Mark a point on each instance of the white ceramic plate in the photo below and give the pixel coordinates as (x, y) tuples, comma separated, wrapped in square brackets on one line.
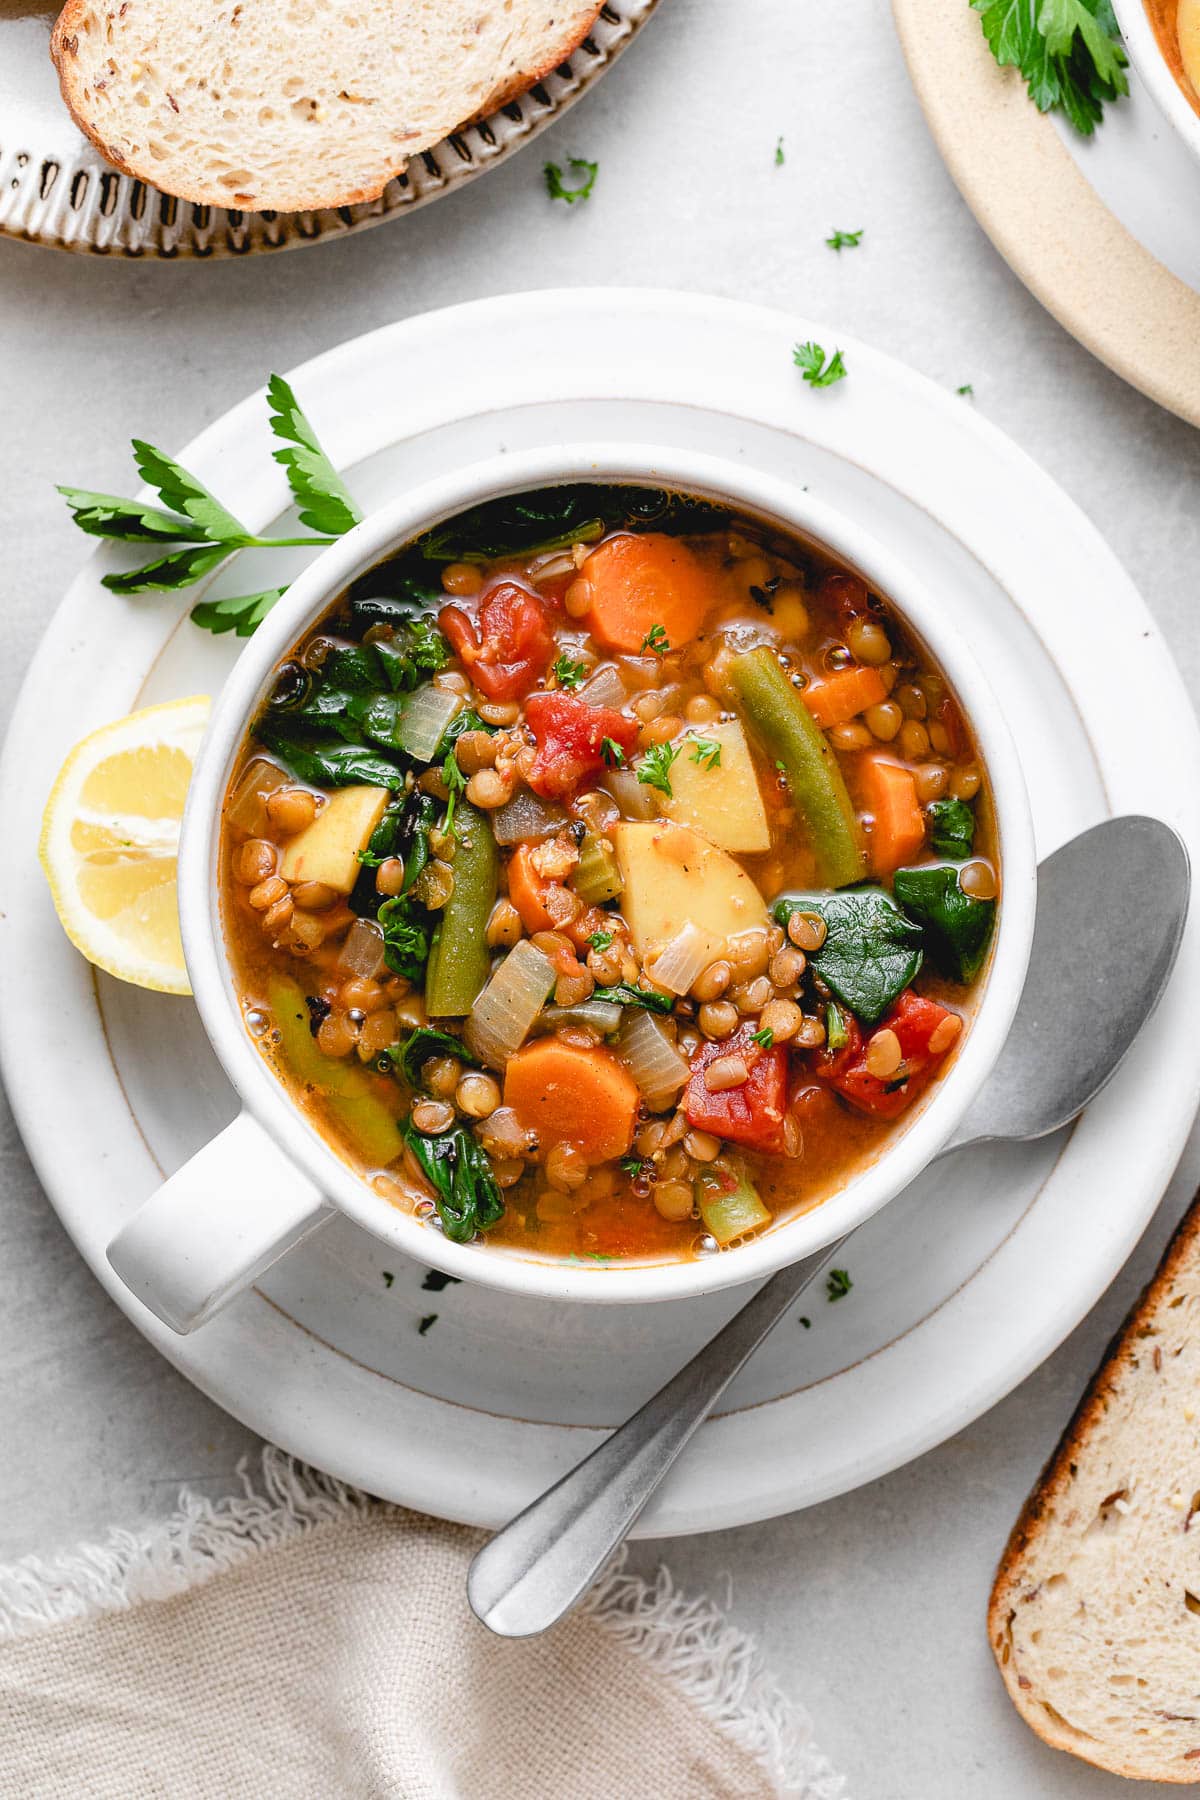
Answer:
[(56, 188), (963, 1284)]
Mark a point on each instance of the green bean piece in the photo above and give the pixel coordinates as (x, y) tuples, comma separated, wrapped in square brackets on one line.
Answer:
[(346, 1087), (458, 961), (795, 742)]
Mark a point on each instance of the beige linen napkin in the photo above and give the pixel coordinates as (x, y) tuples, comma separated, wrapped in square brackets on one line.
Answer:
[(301, 1639)]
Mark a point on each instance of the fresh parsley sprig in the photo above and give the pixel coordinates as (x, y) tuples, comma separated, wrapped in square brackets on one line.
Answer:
[(196, 532), (1068, 51), (556, 186), (654, 770), (818, 370), (707, 752)]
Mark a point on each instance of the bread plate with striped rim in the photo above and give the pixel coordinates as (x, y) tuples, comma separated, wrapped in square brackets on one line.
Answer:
[(56, 188)]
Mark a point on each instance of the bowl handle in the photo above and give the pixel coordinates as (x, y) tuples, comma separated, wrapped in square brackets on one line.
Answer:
[(215, 1226)]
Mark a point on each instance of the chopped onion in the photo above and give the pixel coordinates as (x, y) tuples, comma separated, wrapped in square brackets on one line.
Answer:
[(245, 808), (634, 798), (549, 568), (603, 1016), (651, 1058), (526, 819), (682, 958), (422, 725), (362, 952), (503, 1014), (604, 689)]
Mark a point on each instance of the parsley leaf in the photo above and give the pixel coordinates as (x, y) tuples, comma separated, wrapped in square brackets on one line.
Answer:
[(633, 1166), (966, 390), (437, 1279), (764, 1038), (656, 640), (182, 493), (1068, 51), (568, 674), (845, 240), (707, 753), (601, 940), (180, 569), (323, 497), (107, 515), (242, 614), (654, 770), (556, 186), (426, 1322), (780, 159), (612, 753), (818, 371), (838, 1284)]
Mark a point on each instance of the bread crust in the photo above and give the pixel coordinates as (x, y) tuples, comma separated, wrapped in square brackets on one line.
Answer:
[(1051, 1487), (63, 41)]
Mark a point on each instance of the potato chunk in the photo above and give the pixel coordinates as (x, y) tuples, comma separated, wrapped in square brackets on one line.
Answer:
[(671, 875), (327, 850), (719, 795)]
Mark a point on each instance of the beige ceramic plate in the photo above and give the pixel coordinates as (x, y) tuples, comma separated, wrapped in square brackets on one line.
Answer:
[(1044, 216), (56, 188)]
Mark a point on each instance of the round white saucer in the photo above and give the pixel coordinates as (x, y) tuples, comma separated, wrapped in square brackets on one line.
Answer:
[(964, 1283)]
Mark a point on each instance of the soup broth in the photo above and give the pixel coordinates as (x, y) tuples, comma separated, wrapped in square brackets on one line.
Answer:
[(607, 875)]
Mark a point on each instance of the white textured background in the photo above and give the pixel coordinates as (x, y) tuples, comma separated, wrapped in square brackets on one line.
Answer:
[(871, 1607)]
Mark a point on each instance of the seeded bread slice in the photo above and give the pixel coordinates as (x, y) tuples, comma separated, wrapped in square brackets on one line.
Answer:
[(292, 105), (1095, 1612)]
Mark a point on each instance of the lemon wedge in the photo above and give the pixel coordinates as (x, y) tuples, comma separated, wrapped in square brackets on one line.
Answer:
[(110, 838)]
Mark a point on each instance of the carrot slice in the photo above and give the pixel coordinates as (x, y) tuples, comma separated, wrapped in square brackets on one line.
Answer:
[(527, 891), (567, 1095), (643, 581), (841, 697), (889, 794)]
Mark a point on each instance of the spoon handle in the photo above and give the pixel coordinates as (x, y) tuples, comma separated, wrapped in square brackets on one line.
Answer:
[(536, 1568)]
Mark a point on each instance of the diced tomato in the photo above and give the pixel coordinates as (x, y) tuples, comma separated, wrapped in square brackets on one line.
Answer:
[(751, 1114), (570, 737), (848, 593), (914, 1022), (510, 647)]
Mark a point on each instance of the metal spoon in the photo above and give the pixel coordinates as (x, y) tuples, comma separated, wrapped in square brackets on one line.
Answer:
[(1110, 915)]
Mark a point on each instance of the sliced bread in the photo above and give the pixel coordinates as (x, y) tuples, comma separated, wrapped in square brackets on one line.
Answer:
[(1095, 1613), (290, 105)]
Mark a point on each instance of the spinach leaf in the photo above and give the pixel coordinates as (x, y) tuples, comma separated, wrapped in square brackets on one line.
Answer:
[(952, 829), (546, 519), (412, 596), (328, 765), (871, 951), (462, 722), (625, 995), (457, 1168), (958, 928), (426, 1041), (355, 668)]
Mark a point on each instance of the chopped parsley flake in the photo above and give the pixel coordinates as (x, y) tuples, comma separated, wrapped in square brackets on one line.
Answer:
[(656, 640), (426, 1322), (818, 370), (568, 674), (557, 188), (435, 1280), (764, 1038), (838, 1284), (966, 389), (780, 159), (845, 240), (707, 753), (388, 1277), (654, 770), (612, 753), (600, 940)]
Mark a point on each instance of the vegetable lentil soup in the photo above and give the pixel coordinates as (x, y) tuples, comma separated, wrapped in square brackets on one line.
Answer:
[(1176, 26), (608, 874)]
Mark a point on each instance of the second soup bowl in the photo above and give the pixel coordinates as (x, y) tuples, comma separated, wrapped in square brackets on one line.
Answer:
[(272, 1177)]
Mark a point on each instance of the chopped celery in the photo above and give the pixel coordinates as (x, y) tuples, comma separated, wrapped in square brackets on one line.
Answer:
[(346, 1087), (796, 742), (597, 877), (459, 959), (729, 1203)]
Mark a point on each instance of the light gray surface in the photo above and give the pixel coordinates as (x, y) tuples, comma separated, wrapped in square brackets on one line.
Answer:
[(871, 1607)]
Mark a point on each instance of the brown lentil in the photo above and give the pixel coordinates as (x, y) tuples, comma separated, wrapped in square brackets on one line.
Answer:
[(883, 1054), (786, 967), (566, 1168), (711, 982), (869, 641), (499, 712), (432, 1117), (978, 880), (361, 994), (807, 931), (717, 1019), (488, 789), (725, 1072), (336, 1035), (673, 1199), (782, 1018), (462, 579), (389, 876), (267, 893), (578, 598), (913, 740), (883, 721), (290, 809), (943, 1035), (255, 861), (965, 783), (478, 1094), (314, 896), (504, 927)]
